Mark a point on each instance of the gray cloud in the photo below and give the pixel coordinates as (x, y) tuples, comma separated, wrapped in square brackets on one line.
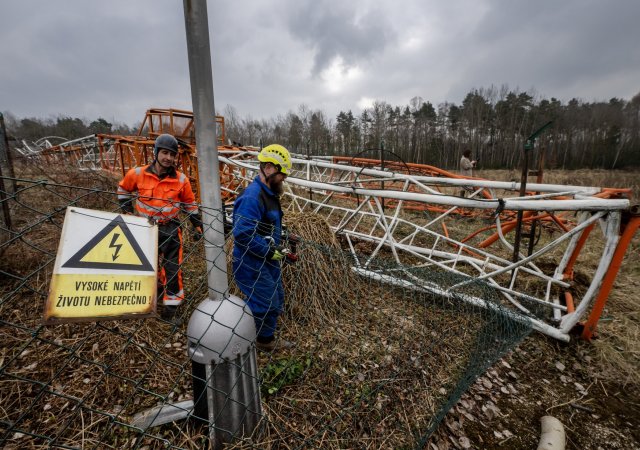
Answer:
[(116, 59), (338, 29), (557, 47)]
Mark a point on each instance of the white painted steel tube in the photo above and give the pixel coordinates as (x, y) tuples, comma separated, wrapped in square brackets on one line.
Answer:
[(541, 251), (583, 202), (441, 254), (612, 235), (512, 204), (506, 185), (591, 204), (571, 247)]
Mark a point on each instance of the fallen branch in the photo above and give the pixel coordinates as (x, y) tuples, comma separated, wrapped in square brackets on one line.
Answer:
[(583, 408)]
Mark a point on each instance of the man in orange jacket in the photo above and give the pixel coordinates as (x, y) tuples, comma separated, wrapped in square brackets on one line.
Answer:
[(159, 192)]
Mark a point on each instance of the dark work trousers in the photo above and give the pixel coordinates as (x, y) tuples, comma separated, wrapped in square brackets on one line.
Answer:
[(170, 254)]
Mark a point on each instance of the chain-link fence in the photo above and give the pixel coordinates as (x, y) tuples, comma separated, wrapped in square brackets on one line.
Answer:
[(378, 358)]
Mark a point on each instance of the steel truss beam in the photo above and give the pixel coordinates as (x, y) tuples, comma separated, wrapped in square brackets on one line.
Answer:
[(360, 214)]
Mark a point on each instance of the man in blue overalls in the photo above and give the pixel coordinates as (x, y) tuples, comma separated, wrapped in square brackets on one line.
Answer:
[(257, 255)]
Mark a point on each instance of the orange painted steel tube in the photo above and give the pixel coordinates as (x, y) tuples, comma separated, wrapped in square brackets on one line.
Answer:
[(568, 270), (614, 192), (477, 232), (444, 229), (568, 300), (559, 222), (506, 228), (607, 283)]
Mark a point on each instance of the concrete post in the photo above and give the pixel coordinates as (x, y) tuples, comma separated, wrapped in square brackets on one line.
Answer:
[(221, 330), (196, 24)]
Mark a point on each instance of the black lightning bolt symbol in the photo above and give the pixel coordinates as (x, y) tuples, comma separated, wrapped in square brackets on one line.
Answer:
[(114, 245)]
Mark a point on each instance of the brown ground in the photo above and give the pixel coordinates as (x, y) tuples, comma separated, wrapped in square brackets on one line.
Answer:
[(542, 377), (593, 388)]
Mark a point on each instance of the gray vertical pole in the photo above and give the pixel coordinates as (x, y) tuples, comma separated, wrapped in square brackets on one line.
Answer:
[(221, 321), (523, 191), (221, 329), (382, 168), (309, 168), (528, 146), (5, 154), (197, 27)]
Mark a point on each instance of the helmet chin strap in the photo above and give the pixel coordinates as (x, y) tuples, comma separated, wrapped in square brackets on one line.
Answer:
[(267, 178), (155, 157), (156, 152)]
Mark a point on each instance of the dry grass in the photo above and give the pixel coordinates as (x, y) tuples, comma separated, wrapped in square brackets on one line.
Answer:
[(619, 179), (618, 342), (378, 363)]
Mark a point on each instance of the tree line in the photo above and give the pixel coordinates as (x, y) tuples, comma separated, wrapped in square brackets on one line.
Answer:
[(493, 123), (31, 129)]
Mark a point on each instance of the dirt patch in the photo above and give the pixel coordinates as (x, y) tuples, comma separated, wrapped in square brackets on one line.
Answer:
[(543, 377), (593, 388)]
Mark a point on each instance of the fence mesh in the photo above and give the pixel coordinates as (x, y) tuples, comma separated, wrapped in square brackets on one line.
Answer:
[(379, 359)]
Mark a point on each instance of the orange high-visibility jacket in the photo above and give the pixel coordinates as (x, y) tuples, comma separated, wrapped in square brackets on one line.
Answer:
[(160, 199)]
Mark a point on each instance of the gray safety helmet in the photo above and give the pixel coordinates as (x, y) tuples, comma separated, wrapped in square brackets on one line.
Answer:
[(167, 142)]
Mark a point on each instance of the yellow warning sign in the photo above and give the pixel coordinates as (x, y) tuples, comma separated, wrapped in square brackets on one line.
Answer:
[(105, 268), (114, 247), (100, 296)]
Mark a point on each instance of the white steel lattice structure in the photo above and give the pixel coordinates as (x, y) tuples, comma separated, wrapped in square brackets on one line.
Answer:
[(373, 221)]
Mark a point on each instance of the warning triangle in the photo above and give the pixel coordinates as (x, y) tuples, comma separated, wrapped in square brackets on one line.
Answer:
[(114, 247)]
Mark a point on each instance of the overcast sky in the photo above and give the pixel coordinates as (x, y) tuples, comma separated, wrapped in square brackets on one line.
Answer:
[(117, 58)]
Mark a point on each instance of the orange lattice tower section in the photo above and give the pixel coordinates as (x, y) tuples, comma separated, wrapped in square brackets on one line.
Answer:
[(120, 153)]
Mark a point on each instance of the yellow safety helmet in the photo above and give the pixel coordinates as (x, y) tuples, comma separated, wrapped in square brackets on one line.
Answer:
[(278, 155)]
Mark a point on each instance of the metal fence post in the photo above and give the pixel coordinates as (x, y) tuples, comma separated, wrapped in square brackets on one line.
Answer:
[(528, 146), (221, 330), (6, 170)]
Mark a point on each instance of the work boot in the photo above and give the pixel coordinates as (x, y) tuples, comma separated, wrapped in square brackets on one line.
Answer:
[(275, 345), (170, 314)]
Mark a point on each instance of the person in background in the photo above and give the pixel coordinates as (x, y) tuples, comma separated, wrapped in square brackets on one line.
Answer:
[(466, 167), (466, 164), (258, 245), (159, 192)]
